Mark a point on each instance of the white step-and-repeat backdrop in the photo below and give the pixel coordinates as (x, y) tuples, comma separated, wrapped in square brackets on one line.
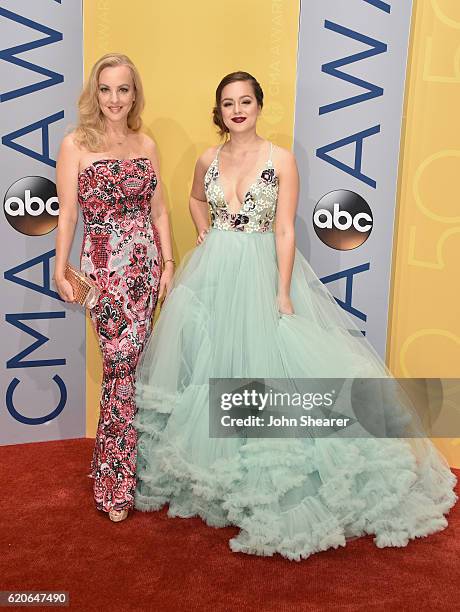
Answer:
[(42, 341), (351, 77)]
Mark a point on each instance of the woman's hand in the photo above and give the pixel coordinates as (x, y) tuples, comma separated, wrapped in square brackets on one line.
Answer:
[(64, 288), (285, 305), (166, 282), (202, 236)]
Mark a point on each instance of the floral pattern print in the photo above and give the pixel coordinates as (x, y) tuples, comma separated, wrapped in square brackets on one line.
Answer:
[(257, 213), (121, 252)]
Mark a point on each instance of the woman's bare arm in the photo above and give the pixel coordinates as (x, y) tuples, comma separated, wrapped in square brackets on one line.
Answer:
[(198, 204), (284, 226), (160, 218), (67, 187)]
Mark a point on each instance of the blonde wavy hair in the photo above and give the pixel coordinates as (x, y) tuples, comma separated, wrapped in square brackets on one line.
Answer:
[(89, 132)]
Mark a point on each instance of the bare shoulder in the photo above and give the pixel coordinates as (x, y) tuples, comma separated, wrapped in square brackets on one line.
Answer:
[(70, 152), (206, 158), (69, 144), (148, 144), (285, 163), (283, 156)]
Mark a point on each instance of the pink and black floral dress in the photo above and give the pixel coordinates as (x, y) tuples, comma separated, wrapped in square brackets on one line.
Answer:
[(121, 252)]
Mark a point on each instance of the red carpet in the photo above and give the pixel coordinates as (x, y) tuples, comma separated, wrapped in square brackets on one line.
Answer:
[(54, 539)]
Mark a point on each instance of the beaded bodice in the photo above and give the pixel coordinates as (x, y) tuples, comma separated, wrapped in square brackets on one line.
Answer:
[(115, 191), (257, 212)]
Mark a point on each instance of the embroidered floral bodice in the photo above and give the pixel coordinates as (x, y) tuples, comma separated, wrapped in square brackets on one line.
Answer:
[(257, 212)]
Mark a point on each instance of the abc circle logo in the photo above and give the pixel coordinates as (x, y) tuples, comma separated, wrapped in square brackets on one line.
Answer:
[(343, 220), (31, 206)]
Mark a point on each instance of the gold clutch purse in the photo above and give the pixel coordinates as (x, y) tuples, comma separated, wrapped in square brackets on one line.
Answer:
[(85, 291)]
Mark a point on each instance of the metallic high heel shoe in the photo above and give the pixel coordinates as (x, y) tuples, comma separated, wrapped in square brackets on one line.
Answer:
[(118, 515)]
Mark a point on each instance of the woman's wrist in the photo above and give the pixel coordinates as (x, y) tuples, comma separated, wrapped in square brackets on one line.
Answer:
[(170, 262), (284, 294), (58, 276)]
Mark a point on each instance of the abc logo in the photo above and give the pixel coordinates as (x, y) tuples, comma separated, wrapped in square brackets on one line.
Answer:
[(31, 206), (342, 219)]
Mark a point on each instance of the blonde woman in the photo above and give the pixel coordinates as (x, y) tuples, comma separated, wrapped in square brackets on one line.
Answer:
[(110, 168)]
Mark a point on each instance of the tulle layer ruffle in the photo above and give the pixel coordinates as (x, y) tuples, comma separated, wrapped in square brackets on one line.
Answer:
[(288, 496)]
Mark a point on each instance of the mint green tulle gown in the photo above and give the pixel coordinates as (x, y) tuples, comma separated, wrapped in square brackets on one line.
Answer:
[(293, 496)]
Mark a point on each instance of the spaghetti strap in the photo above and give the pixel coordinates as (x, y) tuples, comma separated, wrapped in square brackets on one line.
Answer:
[(270, 161), (218, 150)]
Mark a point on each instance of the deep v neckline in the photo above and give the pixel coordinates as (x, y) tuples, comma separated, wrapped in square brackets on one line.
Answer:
[(251, 186)]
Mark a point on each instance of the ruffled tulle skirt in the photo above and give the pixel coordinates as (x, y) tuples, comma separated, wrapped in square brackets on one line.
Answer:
[(293, 496)]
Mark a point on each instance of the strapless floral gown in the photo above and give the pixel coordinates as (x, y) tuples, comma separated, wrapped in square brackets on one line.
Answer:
[(121, 252), (293, 496)]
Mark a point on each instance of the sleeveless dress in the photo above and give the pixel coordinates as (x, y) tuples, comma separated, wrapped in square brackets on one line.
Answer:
[(121, 252), (293, 496)]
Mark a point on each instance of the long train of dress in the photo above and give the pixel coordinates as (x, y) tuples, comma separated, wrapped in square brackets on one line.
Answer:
[(290, 496)]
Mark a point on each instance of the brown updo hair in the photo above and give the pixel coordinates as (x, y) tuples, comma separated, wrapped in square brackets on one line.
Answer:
[(232, 78)]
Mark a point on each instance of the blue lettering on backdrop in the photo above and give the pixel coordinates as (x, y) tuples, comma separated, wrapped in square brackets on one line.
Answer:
[(349, 276), (44, 156), (15, 319), (383, 6), (357, 139), (36, 420), (375, 47), (9, 55), (44, 288), (331, 68)]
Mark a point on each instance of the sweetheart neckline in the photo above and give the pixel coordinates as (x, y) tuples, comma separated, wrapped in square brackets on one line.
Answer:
[(117, 159)]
